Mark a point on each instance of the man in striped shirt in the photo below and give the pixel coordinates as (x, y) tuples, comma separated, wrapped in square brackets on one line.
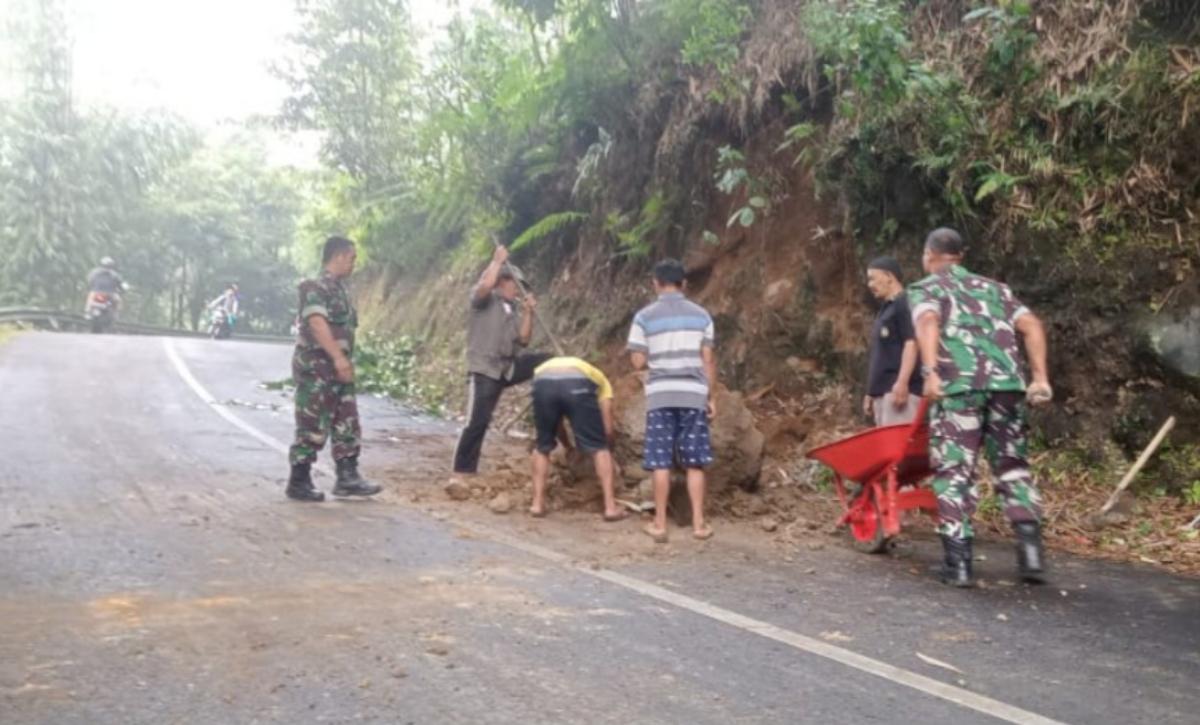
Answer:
[(674, 338)]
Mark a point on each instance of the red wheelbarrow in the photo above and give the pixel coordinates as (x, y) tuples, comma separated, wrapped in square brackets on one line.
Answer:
[(888, 464)]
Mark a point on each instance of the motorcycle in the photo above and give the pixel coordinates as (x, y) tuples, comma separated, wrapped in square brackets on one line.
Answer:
[(100, 311), (221, 325)]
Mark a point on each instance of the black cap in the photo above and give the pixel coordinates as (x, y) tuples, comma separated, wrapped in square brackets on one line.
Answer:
[(669, 271), (506, 273), (887, 264), (945, 240)]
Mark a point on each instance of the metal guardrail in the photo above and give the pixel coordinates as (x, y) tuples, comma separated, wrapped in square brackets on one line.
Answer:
[(55, 320)]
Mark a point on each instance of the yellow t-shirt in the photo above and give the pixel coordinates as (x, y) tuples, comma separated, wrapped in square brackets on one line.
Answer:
[(605, 391)]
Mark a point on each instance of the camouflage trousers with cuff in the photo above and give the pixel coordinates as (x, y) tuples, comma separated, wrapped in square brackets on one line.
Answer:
[(959, 425), (324, 407)]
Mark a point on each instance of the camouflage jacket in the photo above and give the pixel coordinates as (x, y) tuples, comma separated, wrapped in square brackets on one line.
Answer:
[(325, 296), (980, 347)]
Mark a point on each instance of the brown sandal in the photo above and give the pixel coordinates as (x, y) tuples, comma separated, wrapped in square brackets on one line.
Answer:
[(619, 516), (703, 534)]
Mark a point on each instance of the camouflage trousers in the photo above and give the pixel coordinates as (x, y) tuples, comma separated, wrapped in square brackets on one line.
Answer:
[(324, 407), (958, 426)]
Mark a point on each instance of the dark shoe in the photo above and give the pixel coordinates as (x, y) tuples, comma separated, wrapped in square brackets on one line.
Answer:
[(300, 486), (957, 566), (1031, 558), (349, 483)]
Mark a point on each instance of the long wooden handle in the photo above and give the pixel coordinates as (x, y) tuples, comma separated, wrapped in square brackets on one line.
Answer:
[(558, 348), (1139, 464)]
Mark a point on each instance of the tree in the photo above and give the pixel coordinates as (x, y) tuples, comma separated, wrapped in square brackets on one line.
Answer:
[(350, 73), (181, 217), (38, 155), (224, 216)]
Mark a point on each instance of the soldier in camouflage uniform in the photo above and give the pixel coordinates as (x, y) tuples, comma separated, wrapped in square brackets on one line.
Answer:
[(324, 378), (968, 330)]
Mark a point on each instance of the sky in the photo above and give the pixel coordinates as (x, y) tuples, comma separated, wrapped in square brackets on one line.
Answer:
[(207, 60)]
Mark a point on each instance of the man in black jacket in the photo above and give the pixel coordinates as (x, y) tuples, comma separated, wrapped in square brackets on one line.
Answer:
[(893, 390)]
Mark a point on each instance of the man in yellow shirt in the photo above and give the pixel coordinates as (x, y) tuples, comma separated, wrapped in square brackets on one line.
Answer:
[(567, 387)]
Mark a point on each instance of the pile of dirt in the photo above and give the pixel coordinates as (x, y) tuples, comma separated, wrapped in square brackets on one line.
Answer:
[(793, 500), (736, 440)]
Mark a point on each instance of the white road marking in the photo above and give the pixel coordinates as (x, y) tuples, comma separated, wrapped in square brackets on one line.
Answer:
[(900, 676), (185, 373)]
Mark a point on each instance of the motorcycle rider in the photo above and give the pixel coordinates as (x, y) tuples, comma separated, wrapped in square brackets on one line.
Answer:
[(228, 302), (105, 280), (224, 311), (104, 295)]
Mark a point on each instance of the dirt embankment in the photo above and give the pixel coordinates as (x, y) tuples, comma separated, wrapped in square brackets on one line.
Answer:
[(791, 320), (792, 315)]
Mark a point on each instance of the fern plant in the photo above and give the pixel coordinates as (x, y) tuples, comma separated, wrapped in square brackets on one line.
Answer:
[(798, 135), (637, 242), (596, 153), (546, 226)]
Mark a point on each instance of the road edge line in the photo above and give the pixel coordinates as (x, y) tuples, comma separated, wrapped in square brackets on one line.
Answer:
[(215, 405), (795, 640)]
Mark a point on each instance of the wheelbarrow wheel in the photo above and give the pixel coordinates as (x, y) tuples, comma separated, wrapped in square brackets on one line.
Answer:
[(866, 525)]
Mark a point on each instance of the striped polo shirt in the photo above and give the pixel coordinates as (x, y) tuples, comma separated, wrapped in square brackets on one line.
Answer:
[(671, 333)]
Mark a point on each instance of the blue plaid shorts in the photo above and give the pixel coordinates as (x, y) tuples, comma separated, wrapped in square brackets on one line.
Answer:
[(677, 436)]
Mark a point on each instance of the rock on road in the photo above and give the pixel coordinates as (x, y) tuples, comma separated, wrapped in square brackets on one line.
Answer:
[(151, 571)]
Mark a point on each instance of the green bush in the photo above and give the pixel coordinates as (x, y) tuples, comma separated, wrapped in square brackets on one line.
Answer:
[(714, 42), (389, 366), (1177, 470), (999, 139)]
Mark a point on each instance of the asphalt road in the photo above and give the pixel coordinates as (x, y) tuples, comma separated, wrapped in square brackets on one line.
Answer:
[(151, 571)]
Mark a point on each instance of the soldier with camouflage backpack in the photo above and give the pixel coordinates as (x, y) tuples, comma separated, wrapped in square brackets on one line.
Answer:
[(968, 328), (324, 377)]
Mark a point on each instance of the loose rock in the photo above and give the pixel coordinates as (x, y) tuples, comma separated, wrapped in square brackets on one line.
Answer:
[(737, 446), (458, 491), (501, 504), (736, 441), (645, 489)]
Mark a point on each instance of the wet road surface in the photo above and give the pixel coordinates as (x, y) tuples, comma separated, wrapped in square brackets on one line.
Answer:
[(151, 571)]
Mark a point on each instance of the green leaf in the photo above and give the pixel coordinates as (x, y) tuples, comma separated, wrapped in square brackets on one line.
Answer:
[(796, 134), (758, 202), (546, 226), (988, 188), (977, 14), (710, 238), (731, 179)]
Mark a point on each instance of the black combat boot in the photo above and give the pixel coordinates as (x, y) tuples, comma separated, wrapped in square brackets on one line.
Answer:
[(300, 485), (1031, 564), (349, 483), (957, 566)]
